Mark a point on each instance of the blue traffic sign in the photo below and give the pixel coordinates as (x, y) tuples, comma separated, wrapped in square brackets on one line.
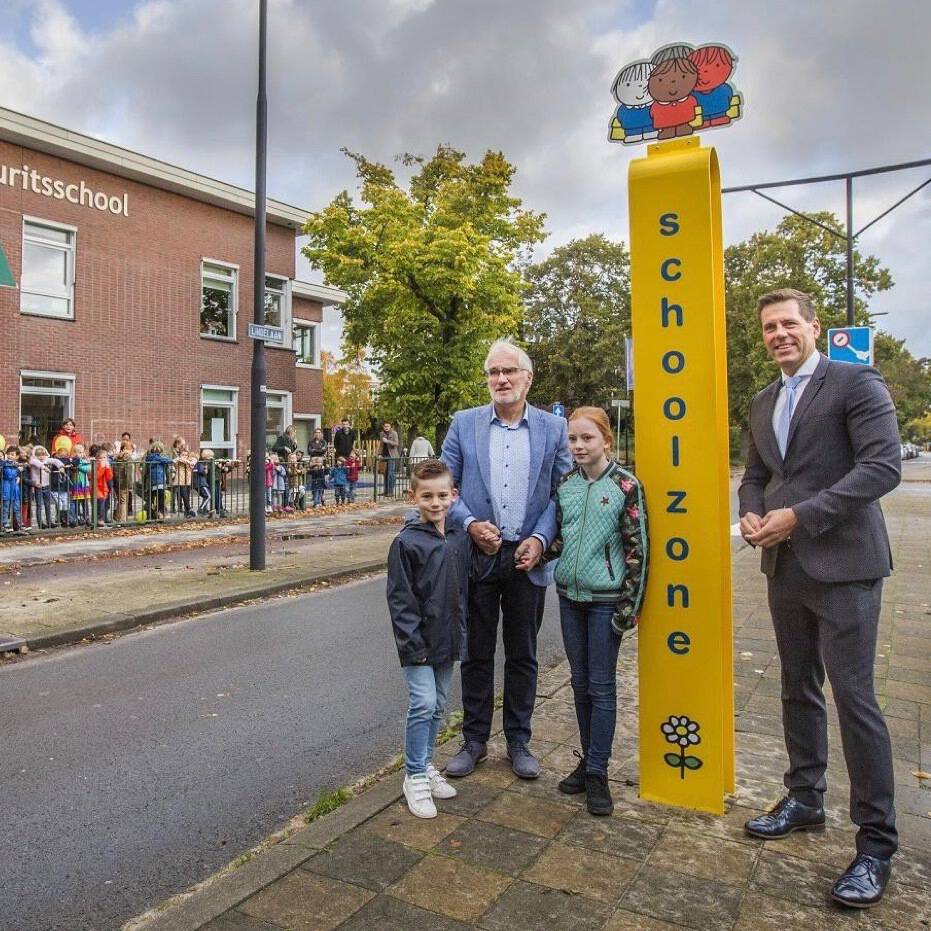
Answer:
[(558, 409), (852, 344)]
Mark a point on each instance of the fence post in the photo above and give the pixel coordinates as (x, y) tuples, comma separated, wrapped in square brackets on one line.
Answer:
[(94, 493)]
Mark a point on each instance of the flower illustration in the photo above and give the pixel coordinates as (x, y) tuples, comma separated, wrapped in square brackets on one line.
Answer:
[(634, 513), (682, 731), (626, 485)]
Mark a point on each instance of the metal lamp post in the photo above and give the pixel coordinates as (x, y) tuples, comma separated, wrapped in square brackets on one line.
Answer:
[(257, 432)]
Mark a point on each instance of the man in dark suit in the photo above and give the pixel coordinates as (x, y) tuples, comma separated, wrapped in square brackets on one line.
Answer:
[(824, 448)]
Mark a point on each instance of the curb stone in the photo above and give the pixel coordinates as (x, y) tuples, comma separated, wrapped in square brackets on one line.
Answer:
[(113, 623)]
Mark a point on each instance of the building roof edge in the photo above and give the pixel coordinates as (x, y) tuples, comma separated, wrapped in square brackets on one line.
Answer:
[(33, 133)]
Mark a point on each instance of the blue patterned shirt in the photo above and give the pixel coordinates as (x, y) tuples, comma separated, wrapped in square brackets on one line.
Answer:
[(509, 456)]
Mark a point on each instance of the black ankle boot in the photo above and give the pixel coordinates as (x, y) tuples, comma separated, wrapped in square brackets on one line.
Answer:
[(597, 794), (574, 783)]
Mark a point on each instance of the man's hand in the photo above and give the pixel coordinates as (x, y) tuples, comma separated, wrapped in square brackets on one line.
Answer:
[(486, 536), (528, 554), (750, 524), (775, 527)]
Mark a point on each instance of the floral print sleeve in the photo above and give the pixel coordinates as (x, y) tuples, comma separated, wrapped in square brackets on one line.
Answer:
[(635, 540)]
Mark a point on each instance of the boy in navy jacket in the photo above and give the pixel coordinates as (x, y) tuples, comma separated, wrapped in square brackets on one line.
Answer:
[(429, 567)]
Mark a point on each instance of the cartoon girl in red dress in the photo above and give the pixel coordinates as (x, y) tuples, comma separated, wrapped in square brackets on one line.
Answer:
[(671, 84)]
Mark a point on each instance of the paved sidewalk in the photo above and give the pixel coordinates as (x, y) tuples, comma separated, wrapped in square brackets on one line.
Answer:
[(507, 855), (65, 589)]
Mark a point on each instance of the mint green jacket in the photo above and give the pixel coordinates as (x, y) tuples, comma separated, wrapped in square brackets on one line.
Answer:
[(602, 541)]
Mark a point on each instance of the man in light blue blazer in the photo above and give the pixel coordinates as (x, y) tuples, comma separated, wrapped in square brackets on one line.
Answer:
[(506, 459)]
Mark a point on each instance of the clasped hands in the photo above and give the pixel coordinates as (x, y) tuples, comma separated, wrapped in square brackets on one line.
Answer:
[(487, 538), (769, 530)]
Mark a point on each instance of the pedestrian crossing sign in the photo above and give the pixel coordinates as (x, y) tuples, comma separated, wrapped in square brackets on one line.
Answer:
[(851, 344)]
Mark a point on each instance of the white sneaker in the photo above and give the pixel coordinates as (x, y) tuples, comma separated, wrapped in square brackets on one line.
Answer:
[(439, 787), (419, 799)]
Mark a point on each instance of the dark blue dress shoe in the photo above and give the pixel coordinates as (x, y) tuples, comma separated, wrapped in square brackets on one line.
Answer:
[(470, 753), (788, 816), (863, 883), (523, 762)]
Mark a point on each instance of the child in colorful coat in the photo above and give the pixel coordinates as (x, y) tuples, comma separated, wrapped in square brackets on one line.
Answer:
[(600, 579)]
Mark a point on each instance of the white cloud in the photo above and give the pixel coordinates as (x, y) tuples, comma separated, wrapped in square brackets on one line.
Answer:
[(829, 87)]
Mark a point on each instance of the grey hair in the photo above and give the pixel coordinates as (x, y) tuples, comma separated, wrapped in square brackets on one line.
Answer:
[(523, 360)]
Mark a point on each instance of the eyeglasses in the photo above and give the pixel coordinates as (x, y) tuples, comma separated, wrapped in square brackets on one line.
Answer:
[(509, 372)]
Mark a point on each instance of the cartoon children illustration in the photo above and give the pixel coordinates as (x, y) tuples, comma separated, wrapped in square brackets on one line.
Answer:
[(670, 85), (633, 114), (715, 65)]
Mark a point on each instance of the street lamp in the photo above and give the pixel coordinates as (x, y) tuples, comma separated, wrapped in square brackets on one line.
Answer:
[(257, 433)]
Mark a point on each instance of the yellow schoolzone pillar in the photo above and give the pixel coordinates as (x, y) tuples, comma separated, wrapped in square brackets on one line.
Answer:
[(680, 410)]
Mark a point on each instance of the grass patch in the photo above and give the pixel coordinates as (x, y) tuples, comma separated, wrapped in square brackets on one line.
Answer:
[(327, 802)]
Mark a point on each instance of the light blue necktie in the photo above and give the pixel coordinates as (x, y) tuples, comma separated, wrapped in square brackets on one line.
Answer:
[(785, 418)]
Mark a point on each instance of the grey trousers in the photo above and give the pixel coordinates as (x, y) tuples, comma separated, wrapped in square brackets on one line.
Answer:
[(831, 627)]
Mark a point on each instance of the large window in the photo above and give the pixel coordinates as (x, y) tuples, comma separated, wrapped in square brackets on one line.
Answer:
[(218, 300), (306, 343), (277, 415), (45, 400), (277, 306), (48, 270), (218, 417)]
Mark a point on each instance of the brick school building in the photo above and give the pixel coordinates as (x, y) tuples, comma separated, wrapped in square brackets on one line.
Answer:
[(131, 296)]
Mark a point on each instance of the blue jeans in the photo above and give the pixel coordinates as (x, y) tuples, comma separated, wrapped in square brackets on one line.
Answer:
[(390, 465), (591, 648), (429, 691)]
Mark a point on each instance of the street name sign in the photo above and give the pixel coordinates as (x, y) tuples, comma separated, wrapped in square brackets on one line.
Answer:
[(270, 334)]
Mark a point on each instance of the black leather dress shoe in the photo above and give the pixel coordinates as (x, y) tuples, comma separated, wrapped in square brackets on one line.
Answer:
[(788, 816), (863, 883)]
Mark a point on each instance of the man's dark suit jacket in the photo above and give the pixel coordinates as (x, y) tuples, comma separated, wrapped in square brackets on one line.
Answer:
[(843, 454)]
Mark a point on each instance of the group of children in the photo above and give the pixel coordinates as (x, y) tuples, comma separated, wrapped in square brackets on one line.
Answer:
[(288, 479), (41, 490)]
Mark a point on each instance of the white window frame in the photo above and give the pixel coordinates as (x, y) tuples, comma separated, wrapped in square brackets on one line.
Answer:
[(58, 376), (235, 310), (316, 420), (286, 324), (234, 417), (71, 253), (286, 406), (314, 324)]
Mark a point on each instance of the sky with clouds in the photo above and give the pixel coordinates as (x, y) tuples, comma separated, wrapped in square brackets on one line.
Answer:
[(829, 87)]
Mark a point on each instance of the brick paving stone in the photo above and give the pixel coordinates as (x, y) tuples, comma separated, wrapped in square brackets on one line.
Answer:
[(766, 913), (702, 904), (914, 831), (729, 826), (903, 907), (364, 858), (525, 813), (703, 857), (833, 847), (452, 887), (545, 787), (498, 848), (900, 708), (397, 824), (237, 921), (758, 793), (470, 797), (627, 803), (913, 867), (301, 901), (589, 873), (785, 877), (526, 907), (386, 913), (616, 835), (622, 920), (493, 772)]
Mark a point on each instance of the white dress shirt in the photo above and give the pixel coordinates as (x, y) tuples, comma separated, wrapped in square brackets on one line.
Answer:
[(805, 370)]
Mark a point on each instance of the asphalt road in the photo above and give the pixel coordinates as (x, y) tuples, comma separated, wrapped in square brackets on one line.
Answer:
[(131, 770)]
